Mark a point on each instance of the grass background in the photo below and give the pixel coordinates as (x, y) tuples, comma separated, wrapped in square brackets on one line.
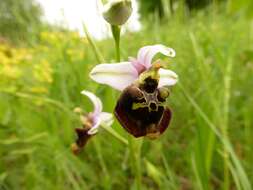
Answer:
[(207, 146)]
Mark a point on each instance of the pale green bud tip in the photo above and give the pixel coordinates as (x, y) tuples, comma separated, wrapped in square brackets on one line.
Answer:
[(117, 12)]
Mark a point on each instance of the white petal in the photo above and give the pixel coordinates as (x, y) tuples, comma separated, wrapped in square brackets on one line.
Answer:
[(94, 129), (117, 75), (167, 78), (106, 119), (95, 100), (146, 54)]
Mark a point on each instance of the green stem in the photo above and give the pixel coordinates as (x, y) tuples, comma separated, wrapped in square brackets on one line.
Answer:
[(115, 134), (116, 36), (135, 153), (100, 157), (227, 87), (102, 163)]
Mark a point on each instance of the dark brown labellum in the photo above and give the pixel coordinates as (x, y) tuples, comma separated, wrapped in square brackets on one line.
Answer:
[(82, 139), (82, 134), (141, 110)]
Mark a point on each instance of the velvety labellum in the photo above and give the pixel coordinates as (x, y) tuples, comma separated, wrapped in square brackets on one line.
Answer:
[(142, 112)]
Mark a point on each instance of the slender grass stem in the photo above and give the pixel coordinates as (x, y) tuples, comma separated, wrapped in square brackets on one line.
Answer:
[(227, 86), (100, 156), (102, 163), (37, 98), (242, 176), (96, 51)]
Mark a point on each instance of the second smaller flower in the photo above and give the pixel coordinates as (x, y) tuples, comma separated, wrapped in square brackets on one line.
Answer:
[(90, 122)]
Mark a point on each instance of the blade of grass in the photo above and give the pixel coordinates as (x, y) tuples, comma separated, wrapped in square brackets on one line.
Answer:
[(241, 174), (93, 45)]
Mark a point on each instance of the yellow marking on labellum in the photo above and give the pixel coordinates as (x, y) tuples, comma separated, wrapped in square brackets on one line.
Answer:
[(136, 106)]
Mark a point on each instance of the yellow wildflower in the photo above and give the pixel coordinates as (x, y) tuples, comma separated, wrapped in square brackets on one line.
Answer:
[(43, 72)]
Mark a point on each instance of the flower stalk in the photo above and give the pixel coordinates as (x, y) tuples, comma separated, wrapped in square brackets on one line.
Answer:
[(116, 13), (116, 35), (135, 146)]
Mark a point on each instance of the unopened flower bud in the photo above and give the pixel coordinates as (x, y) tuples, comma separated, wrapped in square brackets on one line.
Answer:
[(117, 12)]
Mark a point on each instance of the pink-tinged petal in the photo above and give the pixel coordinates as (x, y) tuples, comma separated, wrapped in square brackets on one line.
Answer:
[(146, 54), (117, 75), (139, 67), (167, 78), (96, 123), (106, 119), (95, 100)]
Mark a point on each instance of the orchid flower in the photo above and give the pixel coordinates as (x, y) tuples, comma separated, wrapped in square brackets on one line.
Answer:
[(91, 122), (141, 108), (120, 75)]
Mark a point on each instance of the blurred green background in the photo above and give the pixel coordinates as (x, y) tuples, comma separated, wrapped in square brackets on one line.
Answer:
[(209, 143)]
